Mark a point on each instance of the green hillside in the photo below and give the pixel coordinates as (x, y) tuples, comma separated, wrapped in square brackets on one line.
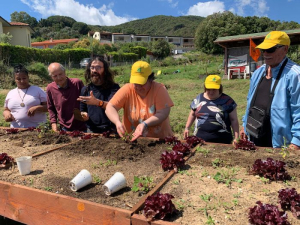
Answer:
[(184, 26)]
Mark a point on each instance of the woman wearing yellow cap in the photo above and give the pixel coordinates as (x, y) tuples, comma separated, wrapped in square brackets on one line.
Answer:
[(215, 114), (146, 105)]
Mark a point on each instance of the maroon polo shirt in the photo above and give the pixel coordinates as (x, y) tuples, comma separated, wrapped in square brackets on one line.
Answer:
[(61, 103)]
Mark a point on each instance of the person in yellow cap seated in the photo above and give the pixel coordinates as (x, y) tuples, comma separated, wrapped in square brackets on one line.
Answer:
[(272, 117), (215, 114), (146, 105)]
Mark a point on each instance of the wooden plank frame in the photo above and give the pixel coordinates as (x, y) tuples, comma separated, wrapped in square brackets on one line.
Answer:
[(32, 206)]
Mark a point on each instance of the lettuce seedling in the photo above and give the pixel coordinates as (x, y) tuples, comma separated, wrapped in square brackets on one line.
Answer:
[(142, 184)]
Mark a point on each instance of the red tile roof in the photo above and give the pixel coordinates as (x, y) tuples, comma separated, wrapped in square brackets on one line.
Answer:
[(54, 41), (18, 24)]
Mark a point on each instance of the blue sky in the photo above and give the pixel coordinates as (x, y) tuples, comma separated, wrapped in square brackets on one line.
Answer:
[(113, 12)]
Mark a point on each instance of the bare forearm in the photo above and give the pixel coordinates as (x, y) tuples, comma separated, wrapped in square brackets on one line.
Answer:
[(158, 117), (190, 120), (112, 113), (41, 108), (234, 123)]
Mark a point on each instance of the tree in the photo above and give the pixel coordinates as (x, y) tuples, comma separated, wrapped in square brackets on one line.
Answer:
[(5, 38), (160, 49), (23, 17), (82, 28), (214, 26)]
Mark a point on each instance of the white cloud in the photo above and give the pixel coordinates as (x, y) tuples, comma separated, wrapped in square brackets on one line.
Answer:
[(258, 7), (206, 8), (80, 12)]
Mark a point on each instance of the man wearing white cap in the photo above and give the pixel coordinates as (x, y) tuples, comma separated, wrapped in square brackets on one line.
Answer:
[(272, 117)]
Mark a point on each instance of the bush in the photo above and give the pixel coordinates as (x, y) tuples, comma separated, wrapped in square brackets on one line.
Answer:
[(39, 69), (6, 77)]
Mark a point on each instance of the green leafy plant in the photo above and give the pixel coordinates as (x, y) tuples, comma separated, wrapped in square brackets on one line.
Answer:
[(202, 150), (284, 152), (227, 176), (265, 180), (204, 173), (176, 182), (180, 204), (97, 179), (48, 188), (142, 184), (210, 221), (44, 128), (127, 137), (206, 197), (216, 162), (110, 162)]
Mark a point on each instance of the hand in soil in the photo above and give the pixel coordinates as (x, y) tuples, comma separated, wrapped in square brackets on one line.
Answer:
[(139, 131)]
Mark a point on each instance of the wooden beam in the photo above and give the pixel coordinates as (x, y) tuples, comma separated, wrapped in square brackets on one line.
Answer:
[(32, 206)]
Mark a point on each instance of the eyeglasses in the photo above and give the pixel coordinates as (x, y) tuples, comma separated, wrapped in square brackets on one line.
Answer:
[(272, 50), (95, 67)]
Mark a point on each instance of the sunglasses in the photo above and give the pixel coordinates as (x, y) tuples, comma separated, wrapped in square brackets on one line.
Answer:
[(96, 67), (272, 50)]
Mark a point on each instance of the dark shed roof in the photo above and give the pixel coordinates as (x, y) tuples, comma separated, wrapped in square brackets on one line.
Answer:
[(243, 39)]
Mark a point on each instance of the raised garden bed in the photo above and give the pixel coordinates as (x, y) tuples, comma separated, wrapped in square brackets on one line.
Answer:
[(201, 194), (54, 165), (216, 185)]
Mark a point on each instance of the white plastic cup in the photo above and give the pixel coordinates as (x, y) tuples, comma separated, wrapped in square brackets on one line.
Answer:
[(82, 179), (24, 164), (114, 184)]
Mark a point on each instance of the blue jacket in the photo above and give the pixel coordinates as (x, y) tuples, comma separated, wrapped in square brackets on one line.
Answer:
[(285, 108)]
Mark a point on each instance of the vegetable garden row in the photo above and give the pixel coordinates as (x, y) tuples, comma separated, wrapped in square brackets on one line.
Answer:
[(158, 202)]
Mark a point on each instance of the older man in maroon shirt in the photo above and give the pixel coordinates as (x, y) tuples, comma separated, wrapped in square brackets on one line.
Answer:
[(62, 96)]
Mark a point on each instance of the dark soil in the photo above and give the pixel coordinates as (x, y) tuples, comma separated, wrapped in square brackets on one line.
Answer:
[(102, 157)]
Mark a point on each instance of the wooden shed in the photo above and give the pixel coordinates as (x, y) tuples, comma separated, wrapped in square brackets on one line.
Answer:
[(237, 58)]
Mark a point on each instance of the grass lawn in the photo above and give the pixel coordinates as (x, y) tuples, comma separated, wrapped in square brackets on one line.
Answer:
[(183, 87)]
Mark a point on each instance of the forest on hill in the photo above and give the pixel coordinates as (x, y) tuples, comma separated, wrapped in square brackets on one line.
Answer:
[(204, 30), (184, 26)]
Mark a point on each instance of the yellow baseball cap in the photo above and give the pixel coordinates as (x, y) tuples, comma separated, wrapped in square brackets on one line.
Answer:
[(140, 71), (212, 82), (275, 38)]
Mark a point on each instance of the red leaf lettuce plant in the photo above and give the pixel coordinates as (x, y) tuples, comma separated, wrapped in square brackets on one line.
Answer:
[(289, 199), (192, 141), (245, 144), (157, 206), (265, 214), (171, 160), (12, 131), (5, 159), (270, 169)]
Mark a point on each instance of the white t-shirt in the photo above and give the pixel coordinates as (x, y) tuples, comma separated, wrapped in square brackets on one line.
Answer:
[(34, 96)]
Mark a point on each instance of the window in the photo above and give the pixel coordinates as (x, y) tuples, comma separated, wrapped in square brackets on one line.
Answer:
[(138, 39)]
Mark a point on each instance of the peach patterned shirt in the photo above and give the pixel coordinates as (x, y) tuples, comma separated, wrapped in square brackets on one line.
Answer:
[(137, 109)]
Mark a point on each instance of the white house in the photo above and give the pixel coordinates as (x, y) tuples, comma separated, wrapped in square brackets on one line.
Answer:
[(21, 32)]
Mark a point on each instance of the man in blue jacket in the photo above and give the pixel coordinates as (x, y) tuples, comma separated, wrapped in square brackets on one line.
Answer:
[(283, 126)]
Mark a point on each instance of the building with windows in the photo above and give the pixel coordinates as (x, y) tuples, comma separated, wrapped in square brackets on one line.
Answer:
[(21, 32)]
